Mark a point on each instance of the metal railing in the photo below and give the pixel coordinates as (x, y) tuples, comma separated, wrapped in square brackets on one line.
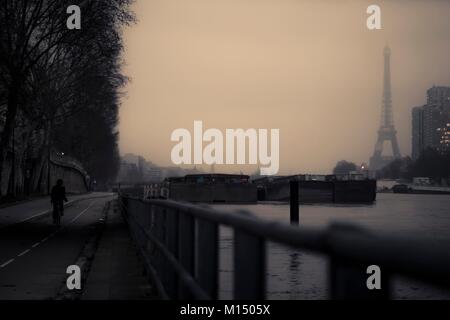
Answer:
[(179, 243)]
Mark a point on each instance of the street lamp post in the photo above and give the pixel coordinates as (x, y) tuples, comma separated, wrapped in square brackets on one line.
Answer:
[(13, 168), (48, 156)]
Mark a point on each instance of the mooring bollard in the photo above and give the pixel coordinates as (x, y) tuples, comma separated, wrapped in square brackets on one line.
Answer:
[(294, 202)]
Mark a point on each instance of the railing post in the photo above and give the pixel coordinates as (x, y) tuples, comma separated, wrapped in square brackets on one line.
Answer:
[(294, 201), (172, 246), (153, 225), (186, 257), (207, 257), (249, 267), (161, 237), (348, 279)]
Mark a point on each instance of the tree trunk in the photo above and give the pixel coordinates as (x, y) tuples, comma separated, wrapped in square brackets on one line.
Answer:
[(13, 103)]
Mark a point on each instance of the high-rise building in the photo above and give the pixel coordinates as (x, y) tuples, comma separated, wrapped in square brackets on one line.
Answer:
[(431, 122), (438, 95), (417, 132)]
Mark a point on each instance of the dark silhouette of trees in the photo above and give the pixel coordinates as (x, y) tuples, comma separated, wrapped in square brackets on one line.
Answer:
[(55, 81), (398, 168), (431, 163), (344, 167)]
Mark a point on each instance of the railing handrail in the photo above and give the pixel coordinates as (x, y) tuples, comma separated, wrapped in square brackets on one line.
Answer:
[(349, 241), (182, 273), (417, 259)]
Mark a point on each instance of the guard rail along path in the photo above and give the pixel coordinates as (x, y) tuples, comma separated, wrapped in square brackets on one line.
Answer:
[(179, 244)]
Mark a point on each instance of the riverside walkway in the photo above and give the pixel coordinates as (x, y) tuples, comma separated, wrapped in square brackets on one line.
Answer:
[(130, 248), (34, 255)]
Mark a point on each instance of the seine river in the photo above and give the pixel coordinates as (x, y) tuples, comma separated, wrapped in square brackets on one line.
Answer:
[(293, 274)]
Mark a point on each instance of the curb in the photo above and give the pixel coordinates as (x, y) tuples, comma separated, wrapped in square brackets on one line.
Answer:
[(86, 257)]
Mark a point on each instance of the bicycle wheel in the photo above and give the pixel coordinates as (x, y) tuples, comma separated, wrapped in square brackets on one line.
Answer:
[(58, 217)]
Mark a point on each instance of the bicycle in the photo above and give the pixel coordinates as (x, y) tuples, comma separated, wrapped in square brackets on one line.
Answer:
[(58, 208)]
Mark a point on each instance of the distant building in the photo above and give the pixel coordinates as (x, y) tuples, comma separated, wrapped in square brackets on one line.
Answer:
[(438, 95), (136, 169), (153, 175), (431, 122), (128, 172), (417, 132)]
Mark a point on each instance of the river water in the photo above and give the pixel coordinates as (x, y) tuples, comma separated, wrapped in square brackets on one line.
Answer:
[(292, 274)]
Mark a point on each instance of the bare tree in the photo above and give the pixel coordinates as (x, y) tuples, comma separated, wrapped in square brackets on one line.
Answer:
[(49, 73)]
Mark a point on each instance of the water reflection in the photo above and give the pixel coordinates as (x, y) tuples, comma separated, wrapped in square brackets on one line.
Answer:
[(293, 274)]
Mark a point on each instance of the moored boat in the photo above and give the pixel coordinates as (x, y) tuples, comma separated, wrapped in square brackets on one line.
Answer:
[(212, 188), (319, 188)]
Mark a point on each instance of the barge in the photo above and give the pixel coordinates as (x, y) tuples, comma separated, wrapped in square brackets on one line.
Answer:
[(413, 189), (211, 188), (239, 189), (354, 188)]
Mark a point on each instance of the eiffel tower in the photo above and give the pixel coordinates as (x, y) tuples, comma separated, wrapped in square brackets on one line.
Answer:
[(387, 131)]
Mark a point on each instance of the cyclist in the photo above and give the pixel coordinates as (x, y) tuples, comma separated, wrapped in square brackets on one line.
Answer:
[(58, 196)]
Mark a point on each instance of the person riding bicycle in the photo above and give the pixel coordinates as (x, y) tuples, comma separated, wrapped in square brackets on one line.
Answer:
[(58, 196)]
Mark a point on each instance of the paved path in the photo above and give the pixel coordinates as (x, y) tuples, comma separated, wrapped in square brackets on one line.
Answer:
[(29, 210), (116, 272), (34, 255)]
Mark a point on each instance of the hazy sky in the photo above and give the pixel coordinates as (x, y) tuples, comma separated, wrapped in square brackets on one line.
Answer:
[(309, 68)]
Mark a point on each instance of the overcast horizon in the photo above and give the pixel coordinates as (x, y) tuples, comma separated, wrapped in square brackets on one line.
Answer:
[(309, 68)]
